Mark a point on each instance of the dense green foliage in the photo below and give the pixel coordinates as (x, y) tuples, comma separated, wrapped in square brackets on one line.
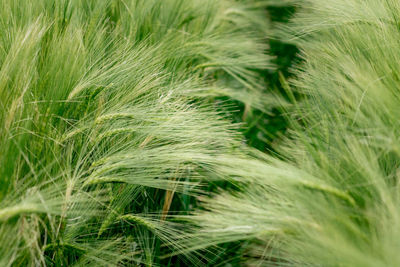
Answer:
[(107, 111), (188, 132)]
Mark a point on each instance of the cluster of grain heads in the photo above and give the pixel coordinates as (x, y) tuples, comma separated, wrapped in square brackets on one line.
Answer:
[(333, 199), (103, 108)]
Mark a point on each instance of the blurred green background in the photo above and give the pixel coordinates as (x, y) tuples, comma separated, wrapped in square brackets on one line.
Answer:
[(264, 130)]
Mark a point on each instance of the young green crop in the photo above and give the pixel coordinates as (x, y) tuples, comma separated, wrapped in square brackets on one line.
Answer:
[(103, 106), (334, 198)]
